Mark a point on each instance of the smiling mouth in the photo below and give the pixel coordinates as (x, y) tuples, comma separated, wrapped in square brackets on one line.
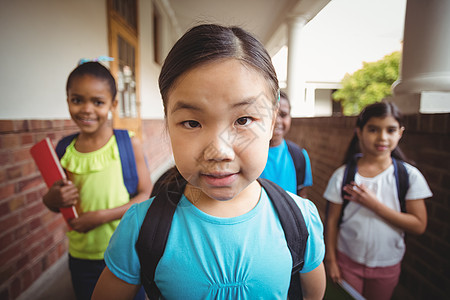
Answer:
[(85, 120)]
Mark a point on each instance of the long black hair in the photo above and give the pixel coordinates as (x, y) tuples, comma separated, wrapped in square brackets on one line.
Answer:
[(377, 110)]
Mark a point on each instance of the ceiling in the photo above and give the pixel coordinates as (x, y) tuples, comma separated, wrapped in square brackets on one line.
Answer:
[(264, 18)]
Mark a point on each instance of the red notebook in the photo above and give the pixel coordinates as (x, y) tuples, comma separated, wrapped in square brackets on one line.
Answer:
[(45, 157)]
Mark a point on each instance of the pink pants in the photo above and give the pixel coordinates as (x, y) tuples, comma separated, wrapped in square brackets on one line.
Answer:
[(373, 283)]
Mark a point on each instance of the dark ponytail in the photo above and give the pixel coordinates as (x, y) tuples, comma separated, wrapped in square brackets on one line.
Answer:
[(171, 183)]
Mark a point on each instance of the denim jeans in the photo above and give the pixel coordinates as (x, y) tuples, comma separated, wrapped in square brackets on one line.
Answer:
[(85, 274)]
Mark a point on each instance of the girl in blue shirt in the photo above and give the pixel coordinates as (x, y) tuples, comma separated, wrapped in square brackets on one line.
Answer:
[(219, 91), (281, 167)]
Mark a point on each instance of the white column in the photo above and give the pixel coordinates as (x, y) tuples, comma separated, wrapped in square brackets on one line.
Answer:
[(425, 67), (310, 92), (295, 69)]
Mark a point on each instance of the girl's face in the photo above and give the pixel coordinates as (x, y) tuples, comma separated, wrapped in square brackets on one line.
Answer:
[(90, 100), (220, 121), (282, 124), (380, 136)]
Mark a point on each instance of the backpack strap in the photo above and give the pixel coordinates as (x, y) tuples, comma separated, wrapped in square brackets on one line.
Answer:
[(155, 231), (128, 161), (299, 163), (126, 152), (401, 180), (295, 230), (349, 176), (63, 144), (158, 220)]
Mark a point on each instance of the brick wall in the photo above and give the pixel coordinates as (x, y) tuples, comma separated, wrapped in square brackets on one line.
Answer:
[(31, 237), (425, 268)]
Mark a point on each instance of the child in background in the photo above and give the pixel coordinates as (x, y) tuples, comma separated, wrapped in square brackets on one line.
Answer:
[(367, 247), (95, 183), (220, 92), (290, 171)]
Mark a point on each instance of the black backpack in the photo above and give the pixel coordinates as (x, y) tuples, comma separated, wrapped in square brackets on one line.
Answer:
[(401, 179), (299, 163), (158, 220)]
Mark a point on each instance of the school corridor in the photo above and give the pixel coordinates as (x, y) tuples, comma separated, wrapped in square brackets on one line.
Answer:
[(426, 141), (43, 40)]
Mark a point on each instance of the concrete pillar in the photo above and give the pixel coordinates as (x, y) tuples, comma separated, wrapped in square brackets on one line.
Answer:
[(310, 100), (425, 67), (295, 69)]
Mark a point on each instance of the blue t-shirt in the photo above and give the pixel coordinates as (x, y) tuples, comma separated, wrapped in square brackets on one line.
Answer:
[(207, 257), (280, 168)]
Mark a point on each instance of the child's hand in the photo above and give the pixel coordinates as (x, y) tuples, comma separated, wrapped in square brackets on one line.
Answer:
[(63, 193), (333, 271), (87, 221), (361, 194)]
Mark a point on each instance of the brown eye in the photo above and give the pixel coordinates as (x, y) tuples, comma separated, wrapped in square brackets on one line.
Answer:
[(191, 124), (244, 121), (75, 100)]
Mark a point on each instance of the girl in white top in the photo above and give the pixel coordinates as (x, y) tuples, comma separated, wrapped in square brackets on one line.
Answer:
[(367, 247)]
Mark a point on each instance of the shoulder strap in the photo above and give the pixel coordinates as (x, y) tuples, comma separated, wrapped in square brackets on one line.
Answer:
[(63, 143), (155, 231), (126, 153), (295, 230), (127, 160), (349, 176), (299, 163), (402, 181), (156, 226)]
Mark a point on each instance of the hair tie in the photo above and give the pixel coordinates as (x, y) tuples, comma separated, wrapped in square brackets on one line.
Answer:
[(97, 59), (278, 95)]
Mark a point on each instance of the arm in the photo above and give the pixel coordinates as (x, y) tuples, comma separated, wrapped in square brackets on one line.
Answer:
[(110, 287), (308, 176), (331, 234), (308, 181), (304, 192), (93, 219), (413, 221), (313, 283), (63, 193)]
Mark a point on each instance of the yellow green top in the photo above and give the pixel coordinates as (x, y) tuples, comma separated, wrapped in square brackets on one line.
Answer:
[(98, 177)]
